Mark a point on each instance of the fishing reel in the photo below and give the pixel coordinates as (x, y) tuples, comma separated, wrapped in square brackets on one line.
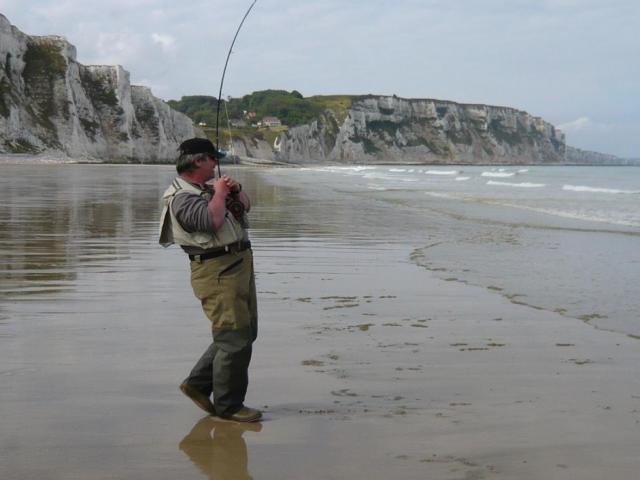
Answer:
[(235, 206)]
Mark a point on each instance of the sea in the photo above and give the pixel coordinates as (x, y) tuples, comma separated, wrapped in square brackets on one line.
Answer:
[(563, 239)]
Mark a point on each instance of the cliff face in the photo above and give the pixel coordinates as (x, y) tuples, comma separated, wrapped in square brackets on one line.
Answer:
[(585, 157), (50, 102), (392, 129), (253, 148)]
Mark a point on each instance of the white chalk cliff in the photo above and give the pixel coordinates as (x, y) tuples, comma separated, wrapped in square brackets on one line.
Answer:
[(383, 129), (51, 103)]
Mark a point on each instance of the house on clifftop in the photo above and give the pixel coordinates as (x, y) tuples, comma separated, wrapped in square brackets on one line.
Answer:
[(271, 122)]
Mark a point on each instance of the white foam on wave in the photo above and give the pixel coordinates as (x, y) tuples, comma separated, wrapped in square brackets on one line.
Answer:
[(582, 188), (462, 179), (355, 169), (398, 170), (385, 176), (524, 170), (498, 174), (573, 214), (519, 185), (441, 172), (339, 169), (441, 195)]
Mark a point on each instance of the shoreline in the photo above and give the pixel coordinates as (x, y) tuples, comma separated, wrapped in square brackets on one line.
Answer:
[(589, 320), (53, 158)]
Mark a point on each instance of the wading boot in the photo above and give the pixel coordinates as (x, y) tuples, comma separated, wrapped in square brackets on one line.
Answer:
[(199, 398), (244, 415)]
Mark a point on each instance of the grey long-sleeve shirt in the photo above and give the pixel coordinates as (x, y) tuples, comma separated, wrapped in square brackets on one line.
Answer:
[(192, 213)]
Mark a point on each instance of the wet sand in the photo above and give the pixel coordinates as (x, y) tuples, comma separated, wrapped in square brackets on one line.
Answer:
[(367, 366)]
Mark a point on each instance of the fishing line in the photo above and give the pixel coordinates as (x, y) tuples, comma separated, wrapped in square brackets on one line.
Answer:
[(222, 80)]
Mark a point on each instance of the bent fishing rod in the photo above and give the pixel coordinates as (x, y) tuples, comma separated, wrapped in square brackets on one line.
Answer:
[(224, 71)]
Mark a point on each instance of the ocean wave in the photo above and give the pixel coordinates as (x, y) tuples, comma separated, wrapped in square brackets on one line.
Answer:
[(582, 188), (398, 170), (339, 169), (574, 214), (498, 174), (462, 179), (441, 172), (442, 195), (385, 176), (520, 185), (524, 170)]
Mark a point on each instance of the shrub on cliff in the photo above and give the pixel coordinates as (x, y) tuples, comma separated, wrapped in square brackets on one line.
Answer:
[(290, 107)]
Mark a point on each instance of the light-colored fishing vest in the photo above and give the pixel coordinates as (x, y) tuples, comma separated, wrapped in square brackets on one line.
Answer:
[(171, 231)]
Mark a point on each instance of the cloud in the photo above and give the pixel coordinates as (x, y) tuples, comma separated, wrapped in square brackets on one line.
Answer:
[(158, 89), (116, 48), (166, 42), (576, 125)]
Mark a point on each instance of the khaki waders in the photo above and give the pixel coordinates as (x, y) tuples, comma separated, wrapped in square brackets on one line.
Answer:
[(226, 288)]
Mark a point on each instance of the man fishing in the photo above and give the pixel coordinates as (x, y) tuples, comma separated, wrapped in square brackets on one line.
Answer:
[(210, 224)]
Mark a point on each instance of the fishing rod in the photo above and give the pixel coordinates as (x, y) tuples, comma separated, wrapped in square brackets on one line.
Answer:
[(222, 81)]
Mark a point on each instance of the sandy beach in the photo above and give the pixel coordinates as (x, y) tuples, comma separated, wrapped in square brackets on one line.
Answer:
[(367, 365)]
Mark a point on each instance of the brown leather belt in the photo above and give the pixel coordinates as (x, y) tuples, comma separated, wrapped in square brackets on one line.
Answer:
[(218, 252)]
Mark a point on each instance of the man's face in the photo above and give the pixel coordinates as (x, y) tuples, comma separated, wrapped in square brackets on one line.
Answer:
[(209, 166)]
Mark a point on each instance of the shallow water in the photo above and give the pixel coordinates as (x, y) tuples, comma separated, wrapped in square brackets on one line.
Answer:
[(63, 226), (565, 239), (98, 325)]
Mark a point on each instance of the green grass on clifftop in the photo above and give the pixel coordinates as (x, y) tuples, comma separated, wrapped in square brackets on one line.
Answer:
[(339, 104), (291, 108)]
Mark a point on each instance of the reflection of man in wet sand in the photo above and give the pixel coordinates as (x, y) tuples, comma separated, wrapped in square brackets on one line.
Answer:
[(223, 455)]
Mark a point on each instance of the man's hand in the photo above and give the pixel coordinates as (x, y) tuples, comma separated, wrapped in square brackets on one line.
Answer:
[(221, 186), (234, 185), (216, 207)]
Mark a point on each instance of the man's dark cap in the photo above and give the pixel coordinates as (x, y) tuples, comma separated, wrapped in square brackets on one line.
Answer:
[(199, 145)]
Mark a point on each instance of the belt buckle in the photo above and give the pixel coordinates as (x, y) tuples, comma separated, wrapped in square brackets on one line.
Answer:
[(234, 247)]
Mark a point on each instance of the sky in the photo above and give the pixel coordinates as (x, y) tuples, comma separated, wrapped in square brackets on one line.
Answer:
[(575, 63)]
